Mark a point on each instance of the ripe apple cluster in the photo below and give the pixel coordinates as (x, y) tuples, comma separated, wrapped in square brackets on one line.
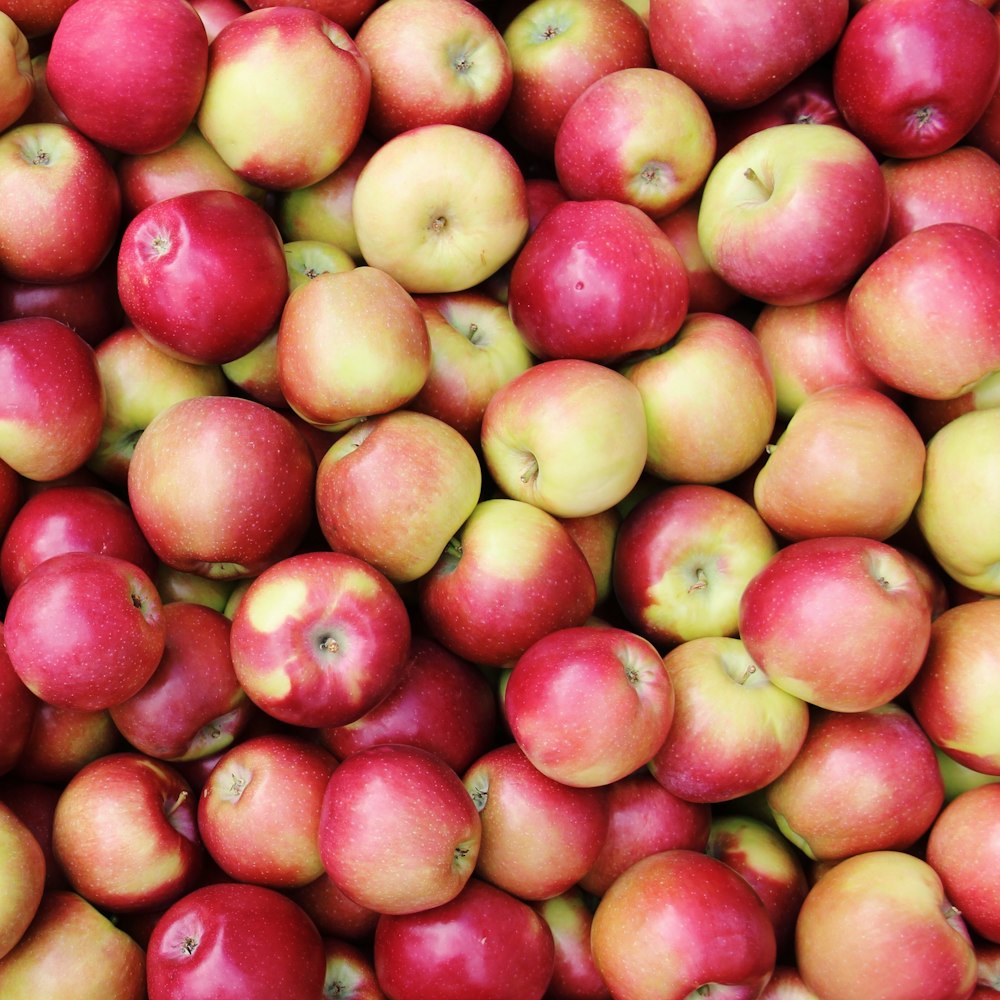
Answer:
[(498, 499)]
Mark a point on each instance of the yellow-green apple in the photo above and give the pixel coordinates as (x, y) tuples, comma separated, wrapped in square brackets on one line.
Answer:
[(209, 940), (736, 56), (709, 399), (511, 575), (289, 134), (907, 87), (334, 913), (433, 62), (566, 435), (925, 315), (765, 222), (863, 781), (307, 259), (319, 638), (962, 847), (441, 234), (640, 136), (61, 204), (539, 836), (221, 486), (828, 473), (596, 535), (259, 810), (125, 833), (597, 280), (957, 777), (203, 275), (657, 931), (129, 74), (350, 973), (930, 415), (398, 832), (17, 712), (139, 380), (475, 349), (956, 692), (961, 484), (643, 819), (351, 344), (807, 349), (733, 732), (22, 863), (189, 164), (193, 705), (683, 557), (63, 740), (485, 943), (85, 630), (441, 703), (574, 974), (792, 614), (177, 585), (578, 741), (71, 947), (15, 71), (911, 943), (771, 865), (557, 50), (348, 13)]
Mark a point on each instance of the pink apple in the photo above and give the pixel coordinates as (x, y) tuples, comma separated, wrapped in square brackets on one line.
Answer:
[(348, 13), (22, 864), (574, 974), (215, 14)]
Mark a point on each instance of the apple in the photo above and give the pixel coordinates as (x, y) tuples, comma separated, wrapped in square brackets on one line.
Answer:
[(221, 486), (597, 280), (484, 943), (203, 275), (863, 781), (108, 70), (333, 913), (582, 743), (289, 134), (657, 930), (398, 832), (34, 804), (765, 222), (734, 732), (539, 836), (709, 398), (596, 535), (792, 615), (787, 984), (15, 71), (911, 941), (17, 710), (215, 14), (683, 556), (567, 435), (574, 974), (23, 867), (208, 943), (735, 56), (350, 973), (925, 101), (511, 575), (36, 18), (307, 259), (348, 13)]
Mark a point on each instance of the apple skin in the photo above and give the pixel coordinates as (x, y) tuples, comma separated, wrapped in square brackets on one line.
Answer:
[(597, 280), (792, 612), (398, 831), (735, 56), (107, 73), (954, 695), (203, 275), (221, 486), (765, 224), (924, 102), (787, 984), (484, 943), (656, 931), (512, 574), (23, 867), (290, 135), (350, 973), (215, 14), (849, 462), (629, 692), (949, 271), (912, 939), (203, 946), (733, 732), (319, 639), (539, 836), (17, 710), (574, 974), (335, 914), (15, 71), (35, 18)]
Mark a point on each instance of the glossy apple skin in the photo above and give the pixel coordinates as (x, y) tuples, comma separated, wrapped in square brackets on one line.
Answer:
[(106, 71), (203, 275), (17, 711), (595, 281), (203, 947), (924, 102), (484, 943), (672, 909), (574, 974)]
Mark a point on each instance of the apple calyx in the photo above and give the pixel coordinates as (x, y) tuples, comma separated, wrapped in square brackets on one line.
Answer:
[(479, 791), (239, 778), (461, 855)]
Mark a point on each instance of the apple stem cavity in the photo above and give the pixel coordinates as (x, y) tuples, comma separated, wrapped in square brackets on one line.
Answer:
[(530, 472), (701, 581), (747, 674), (751, 175)]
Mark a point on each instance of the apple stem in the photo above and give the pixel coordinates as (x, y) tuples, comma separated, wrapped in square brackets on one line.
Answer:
[(454, 549), (701, 583), (177, 803), (751, 175), (530, 470), (750, 670)]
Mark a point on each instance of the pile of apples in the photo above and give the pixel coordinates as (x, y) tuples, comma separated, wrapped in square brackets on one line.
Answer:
[(501, 501)]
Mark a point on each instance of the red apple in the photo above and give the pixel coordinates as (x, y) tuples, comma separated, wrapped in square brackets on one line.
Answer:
[(36, 18), (22, 864), (574, 974), (333, 913), (63, 740), (18, 707), (350, 973)]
